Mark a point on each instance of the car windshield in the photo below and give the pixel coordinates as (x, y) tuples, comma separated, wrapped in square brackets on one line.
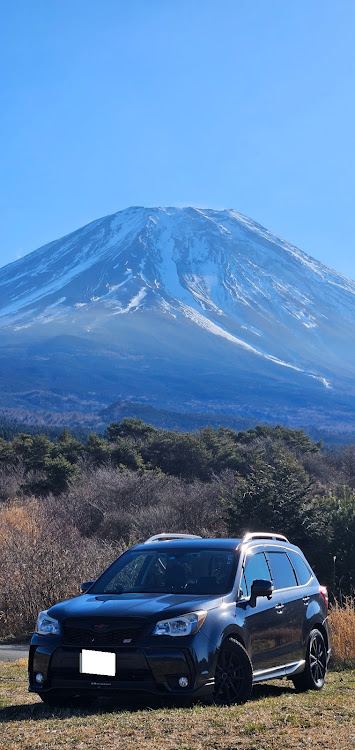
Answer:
[(172, 571)]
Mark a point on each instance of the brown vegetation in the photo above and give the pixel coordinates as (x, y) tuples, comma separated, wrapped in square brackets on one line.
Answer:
[(342, 624), (49, 545), (42, 559)]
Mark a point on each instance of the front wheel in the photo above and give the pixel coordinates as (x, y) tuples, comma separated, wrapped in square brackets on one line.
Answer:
[(313, 676), (234, 674)]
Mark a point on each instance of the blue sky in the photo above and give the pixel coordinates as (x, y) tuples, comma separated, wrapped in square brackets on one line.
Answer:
[(217, 103)]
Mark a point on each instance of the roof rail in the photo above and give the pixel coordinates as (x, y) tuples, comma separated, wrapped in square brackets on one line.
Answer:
[(170, 537), (264, 535)]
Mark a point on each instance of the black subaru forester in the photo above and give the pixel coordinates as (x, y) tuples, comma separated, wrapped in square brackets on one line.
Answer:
[(181, 615)]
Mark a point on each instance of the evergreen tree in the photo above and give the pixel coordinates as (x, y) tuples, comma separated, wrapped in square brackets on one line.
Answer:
[(98, 449), (273, 495)]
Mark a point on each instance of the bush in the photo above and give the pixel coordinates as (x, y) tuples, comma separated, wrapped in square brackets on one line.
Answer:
[(127, 506), (342, 625), (42, 561)]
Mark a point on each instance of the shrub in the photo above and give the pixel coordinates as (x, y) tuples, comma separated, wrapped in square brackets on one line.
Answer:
[(43, 560), (342, 625)]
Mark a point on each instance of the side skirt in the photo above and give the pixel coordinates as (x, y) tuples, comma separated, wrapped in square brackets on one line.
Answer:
[(282, 671)]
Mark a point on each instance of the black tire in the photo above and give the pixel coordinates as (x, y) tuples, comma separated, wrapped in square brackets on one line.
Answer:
[(313, 676), (233, 675)]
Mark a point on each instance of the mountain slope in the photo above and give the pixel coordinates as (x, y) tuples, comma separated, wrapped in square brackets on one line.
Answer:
[(181, 308)]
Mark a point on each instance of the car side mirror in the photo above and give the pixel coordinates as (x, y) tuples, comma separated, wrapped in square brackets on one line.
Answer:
[(260, 587), (85, 586)]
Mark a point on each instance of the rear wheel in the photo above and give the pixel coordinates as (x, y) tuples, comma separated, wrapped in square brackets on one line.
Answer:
[(313, 676), (234, 674)]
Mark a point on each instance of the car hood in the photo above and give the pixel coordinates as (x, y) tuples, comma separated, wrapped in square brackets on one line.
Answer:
[(148, 606)]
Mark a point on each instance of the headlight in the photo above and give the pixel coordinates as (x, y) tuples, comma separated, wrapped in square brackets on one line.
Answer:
[(183, 625), (46, 624)]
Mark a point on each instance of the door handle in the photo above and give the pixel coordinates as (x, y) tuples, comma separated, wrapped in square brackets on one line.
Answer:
[(306, 600), (279, 608)]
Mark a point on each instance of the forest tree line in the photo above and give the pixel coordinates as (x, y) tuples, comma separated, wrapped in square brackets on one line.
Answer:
[(69, 505)]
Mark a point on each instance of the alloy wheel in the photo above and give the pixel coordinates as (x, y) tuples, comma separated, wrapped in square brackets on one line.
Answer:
[(317, 659), (230, 677)]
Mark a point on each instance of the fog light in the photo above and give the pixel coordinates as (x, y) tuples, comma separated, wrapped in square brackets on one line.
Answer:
[(39, 678), (183, 682)]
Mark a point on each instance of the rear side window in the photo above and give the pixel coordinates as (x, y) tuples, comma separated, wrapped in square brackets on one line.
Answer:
[(303, 573), (281, 570), (255, 568)]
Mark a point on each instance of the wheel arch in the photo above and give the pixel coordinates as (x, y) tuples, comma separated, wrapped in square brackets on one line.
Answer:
[(231, 632), (319, 626)]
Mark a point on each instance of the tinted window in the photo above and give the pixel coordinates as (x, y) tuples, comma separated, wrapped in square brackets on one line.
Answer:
[(302, 571), (281, 570), (255, 568), (178, 571)]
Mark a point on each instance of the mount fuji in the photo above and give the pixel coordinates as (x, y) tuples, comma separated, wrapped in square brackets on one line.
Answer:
[(184, 309)]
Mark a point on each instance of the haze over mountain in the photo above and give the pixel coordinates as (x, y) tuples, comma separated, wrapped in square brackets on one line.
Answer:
[(190, 310)]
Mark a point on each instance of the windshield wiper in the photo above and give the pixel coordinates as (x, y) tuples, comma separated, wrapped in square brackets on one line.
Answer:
[(117, 591)]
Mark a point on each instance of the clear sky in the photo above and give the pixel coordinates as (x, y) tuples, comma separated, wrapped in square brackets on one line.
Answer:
[(245, 104)]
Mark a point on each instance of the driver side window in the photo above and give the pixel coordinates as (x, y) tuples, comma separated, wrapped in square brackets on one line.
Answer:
[(255, 567)]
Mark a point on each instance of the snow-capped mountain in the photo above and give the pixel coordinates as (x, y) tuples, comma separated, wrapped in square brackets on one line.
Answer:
[(181, 308)]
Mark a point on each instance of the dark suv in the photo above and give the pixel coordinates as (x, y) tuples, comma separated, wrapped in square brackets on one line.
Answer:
[(181, 615)]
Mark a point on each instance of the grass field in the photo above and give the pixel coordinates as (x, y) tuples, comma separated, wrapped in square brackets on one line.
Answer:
[(276, 718)]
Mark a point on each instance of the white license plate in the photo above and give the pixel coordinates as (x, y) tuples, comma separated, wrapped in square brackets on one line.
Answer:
[(98, 662)]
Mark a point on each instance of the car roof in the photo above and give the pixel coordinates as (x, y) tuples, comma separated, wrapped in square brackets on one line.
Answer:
[(228, 544), (200, 543)]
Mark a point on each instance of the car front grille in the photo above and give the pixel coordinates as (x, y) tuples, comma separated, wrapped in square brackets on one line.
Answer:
[(102, 632)]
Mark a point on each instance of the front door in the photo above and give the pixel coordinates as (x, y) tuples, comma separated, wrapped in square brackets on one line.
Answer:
[(264, 622)]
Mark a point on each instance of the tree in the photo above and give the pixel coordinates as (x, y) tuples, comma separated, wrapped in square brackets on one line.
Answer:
[(132, 429), (274, 495), (123, 454), (180, 454), (22, 446), (40, 451), (332, 550), (69, 447), (55, 478), (98, 449)]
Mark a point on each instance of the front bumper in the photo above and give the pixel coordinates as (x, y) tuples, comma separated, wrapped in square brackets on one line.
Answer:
[(150, 669)]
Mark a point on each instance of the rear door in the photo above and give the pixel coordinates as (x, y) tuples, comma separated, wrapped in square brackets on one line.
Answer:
[(294, 609), (302, 606)]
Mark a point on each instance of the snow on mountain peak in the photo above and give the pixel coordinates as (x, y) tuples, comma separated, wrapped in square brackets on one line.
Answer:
[(218, 270)]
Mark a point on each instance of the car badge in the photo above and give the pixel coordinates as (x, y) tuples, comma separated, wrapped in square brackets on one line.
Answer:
[(101, 627)]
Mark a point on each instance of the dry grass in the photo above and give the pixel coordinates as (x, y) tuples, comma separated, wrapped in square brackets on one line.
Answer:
[(276, 717), (342, 624)]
